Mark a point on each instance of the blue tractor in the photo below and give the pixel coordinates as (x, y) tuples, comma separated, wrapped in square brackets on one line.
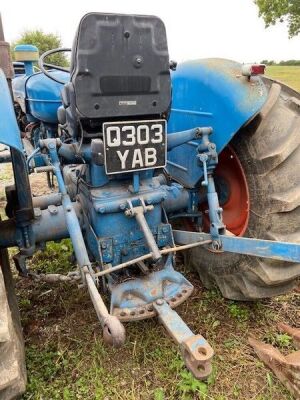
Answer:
[(151, 158)]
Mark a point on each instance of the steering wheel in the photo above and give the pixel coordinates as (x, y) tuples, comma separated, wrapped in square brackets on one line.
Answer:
[(42, 64)]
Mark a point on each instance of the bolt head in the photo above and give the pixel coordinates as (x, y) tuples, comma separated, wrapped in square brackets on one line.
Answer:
[(52, 209)]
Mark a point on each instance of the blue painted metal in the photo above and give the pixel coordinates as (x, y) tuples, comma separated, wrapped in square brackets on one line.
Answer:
[(9, 130), (132, 299), (120, 237), (252, 247), (196, 351), (209, 92), (209, 159), (217, 226), (70, 214), (205, 92), (28, 65), (178, 329), (39, 96), (52, 218), (136, 182), (98, 175), (28, 61), (178, 138), (26, 48)]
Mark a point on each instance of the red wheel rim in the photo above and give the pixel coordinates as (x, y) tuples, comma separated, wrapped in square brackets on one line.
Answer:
[(229, 177), (235, 203)]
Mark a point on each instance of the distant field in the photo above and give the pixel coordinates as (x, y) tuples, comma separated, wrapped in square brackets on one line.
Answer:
[(288, 75)]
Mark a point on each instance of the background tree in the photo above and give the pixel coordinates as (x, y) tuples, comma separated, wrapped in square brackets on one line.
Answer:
[(44, 42), (273, 11)]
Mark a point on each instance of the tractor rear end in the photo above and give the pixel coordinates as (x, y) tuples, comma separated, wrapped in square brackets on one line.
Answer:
[(139, 148)]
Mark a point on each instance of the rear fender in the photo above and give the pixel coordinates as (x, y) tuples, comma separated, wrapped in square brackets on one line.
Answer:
[(209, 92), (9, 130)]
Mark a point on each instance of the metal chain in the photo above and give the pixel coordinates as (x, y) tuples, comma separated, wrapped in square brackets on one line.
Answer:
[(72, 277)]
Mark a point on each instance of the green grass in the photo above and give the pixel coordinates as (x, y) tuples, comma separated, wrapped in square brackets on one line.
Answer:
[(5, 179), (286, 74)]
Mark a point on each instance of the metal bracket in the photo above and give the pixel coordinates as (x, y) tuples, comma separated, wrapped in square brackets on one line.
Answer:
[(208, 156), (196, 351), (253, 247), (203, 158), (133, 299)]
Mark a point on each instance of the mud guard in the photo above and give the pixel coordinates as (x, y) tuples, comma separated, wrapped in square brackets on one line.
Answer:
[(209, 92), (9, 130)]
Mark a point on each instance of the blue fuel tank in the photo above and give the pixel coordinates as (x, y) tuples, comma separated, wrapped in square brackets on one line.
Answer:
[(39, 96)]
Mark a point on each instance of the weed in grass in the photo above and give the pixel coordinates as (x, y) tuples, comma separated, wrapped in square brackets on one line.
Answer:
[(215, 324), (56, 258), (269, 380), (175, 365), (238, 311), (231, 343), (189, 386), (45, 366), (236, 391), (212, 294), (281, 340), (24, 304), (159, 394)]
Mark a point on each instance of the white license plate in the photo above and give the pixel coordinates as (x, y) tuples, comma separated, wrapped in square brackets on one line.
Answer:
[(134, 145)]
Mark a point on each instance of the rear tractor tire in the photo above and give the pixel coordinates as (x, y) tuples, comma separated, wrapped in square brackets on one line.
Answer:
[(263, 201), (12, 357)]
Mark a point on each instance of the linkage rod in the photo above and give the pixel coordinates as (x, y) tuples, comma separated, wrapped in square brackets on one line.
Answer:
[(149, 255)]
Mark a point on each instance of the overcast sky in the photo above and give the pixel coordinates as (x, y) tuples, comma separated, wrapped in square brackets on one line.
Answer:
[(195, 29)]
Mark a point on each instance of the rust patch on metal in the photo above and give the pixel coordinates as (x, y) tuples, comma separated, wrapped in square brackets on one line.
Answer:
[(147, 311), (286, 368), (197, 357)]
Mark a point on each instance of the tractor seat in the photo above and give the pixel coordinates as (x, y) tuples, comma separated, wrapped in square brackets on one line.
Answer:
[(119, 69)]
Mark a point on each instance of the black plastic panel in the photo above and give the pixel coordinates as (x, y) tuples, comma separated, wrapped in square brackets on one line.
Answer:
[(120, 66)]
